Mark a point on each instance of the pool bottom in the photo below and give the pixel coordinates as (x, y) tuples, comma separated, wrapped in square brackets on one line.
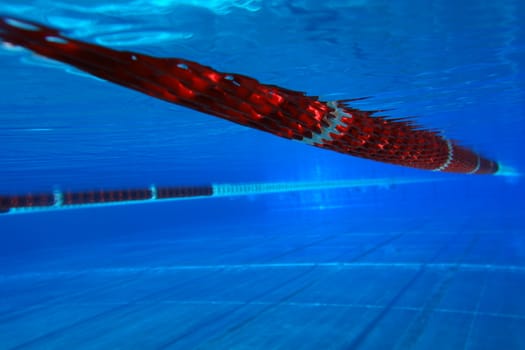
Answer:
[(431, 285)]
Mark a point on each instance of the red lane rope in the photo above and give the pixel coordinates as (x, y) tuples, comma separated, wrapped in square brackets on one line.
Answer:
[(332, 125), (85, 198)]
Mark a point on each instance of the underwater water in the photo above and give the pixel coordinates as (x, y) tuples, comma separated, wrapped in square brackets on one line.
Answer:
[(399, 259)]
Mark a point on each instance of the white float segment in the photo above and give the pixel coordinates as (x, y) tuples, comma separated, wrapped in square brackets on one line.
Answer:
[(333, 119), (450, 157)]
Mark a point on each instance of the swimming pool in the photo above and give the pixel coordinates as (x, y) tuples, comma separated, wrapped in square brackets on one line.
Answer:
[(305, 247)]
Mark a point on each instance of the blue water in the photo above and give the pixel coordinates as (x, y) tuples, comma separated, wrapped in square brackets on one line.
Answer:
[(435, 265)]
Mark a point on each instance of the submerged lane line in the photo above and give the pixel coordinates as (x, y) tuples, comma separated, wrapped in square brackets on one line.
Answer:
[(260, 266)]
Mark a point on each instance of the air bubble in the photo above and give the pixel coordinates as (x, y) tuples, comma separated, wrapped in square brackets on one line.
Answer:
[(232, 79), (182, 66), (56, 39), (21, 25)]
